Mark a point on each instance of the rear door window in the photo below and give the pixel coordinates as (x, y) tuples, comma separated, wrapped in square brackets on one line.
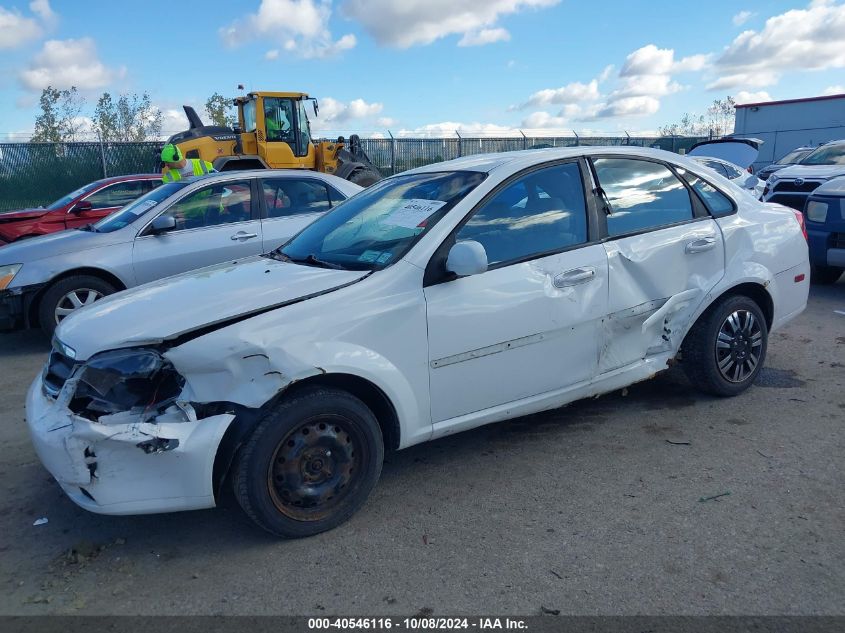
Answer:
[(641, 195), (284, 197)]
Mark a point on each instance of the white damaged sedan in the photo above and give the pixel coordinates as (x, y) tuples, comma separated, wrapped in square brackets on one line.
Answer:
[(437, 300)]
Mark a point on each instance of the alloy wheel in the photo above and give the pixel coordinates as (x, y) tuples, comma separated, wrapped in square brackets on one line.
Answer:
[(738, 346), (74, 300)]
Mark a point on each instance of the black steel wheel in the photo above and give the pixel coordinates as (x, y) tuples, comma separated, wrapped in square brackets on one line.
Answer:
[(310, 464), (725, 349)]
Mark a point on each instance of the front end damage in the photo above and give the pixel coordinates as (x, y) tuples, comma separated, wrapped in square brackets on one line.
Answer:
[(116, 435)]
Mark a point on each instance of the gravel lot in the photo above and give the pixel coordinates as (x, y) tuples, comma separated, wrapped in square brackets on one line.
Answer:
[(596, 508)]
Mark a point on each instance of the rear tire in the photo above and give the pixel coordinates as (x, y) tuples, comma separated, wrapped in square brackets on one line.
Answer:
[(725, 349), (364, 177), (825, 275), (59, 298), (310, 464)]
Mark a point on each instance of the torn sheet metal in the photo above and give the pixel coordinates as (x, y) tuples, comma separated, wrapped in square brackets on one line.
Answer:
[(656, 286), (106, 466)]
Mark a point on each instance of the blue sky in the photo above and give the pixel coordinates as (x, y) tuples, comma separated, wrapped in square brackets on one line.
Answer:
[(426, 66)]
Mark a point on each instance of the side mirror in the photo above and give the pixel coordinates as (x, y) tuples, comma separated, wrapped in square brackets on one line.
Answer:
[(163, 224), (467, 258), (82, 205)]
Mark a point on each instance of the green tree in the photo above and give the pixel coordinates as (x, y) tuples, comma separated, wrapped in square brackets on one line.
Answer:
[(718, 120), (60, 119), (105, 118), (131, 118), (220, 111)]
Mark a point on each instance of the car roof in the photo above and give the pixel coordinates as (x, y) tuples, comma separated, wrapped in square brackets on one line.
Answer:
[(488, 163), (225, 176)]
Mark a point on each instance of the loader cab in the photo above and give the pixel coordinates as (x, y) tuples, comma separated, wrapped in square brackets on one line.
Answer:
[(281, 128)]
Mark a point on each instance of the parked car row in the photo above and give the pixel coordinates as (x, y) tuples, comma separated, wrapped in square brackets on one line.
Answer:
[(436, 300), (173, 228)]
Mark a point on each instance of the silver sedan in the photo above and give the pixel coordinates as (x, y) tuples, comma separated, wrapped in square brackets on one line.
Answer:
[(177, 227)]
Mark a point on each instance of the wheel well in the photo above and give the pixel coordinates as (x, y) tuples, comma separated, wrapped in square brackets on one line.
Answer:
[(247, 419), (94, 272), (368, 393), (758, 294)]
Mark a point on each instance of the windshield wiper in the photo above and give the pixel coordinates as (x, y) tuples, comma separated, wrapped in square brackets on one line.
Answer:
[(277, 255), (311, 260), (88, 227)]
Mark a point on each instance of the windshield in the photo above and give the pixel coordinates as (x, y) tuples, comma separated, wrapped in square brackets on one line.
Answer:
[(134, 210), (376, 227), (827, 155), (794, 156), (64, 200)]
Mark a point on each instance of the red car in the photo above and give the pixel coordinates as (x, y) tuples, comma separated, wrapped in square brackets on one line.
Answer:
[(78, 208)]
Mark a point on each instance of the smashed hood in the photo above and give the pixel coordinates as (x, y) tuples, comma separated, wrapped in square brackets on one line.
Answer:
[(166, 309), (742, 152), (22, 214), (810, 171)]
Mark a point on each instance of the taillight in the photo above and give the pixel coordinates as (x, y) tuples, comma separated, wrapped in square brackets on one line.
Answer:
[(800, 217)]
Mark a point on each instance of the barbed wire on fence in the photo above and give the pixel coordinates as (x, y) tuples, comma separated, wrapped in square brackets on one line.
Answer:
[(33, 174)]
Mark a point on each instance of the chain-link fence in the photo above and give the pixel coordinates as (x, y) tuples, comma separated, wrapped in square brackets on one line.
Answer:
[(33, 174)]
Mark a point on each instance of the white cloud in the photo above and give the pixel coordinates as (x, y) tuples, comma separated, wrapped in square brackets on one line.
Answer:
[(484, 36), (799, 39), (272, 54), (834, 90), (606, 73), (741, 18), (743, 96), (17, 29), (406, 24), (385, 121), (574, 92), (626, 107), (447, 129), (301, 24), (42, 9), (334, 112), (66, 63), (543, 120)]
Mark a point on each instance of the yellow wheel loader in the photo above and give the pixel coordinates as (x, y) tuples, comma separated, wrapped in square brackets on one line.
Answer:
[(273, 132)]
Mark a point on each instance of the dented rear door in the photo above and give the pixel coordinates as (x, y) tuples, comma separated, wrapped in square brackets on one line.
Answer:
[(664, 255)]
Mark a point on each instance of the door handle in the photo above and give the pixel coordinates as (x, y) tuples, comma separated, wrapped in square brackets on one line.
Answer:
[(240, 235), (700, 245), (574, 277)]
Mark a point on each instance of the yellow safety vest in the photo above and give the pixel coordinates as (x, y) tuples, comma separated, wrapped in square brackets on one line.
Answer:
[(200, 168)]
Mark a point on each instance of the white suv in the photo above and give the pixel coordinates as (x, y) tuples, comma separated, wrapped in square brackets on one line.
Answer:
[(792, 185), (437, 300)]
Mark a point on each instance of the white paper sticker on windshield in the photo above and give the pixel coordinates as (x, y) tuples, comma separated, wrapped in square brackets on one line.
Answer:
[(411, 214), (146, 205)]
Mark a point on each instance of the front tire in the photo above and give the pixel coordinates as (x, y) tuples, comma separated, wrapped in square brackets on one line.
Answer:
[(725, 349), (825, 275), (67, 295), (310, 464)]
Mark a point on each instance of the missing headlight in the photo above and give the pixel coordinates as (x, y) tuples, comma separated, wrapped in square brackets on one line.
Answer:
[(123, 380)]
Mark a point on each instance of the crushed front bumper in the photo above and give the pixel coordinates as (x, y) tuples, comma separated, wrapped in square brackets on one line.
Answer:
[(15, 306), (123, 465)]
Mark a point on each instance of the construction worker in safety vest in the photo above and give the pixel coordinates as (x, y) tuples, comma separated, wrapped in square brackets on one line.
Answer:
[(177, 166)]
